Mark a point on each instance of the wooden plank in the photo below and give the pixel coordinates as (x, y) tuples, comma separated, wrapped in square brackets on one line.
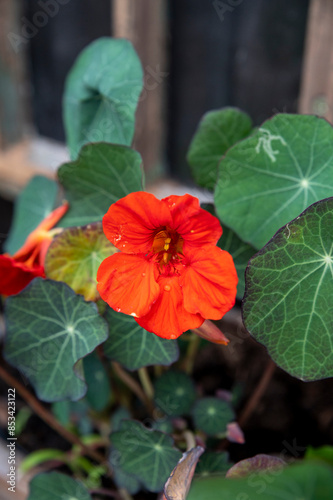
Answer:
[(13, 115), (143, 23), (317, 78)]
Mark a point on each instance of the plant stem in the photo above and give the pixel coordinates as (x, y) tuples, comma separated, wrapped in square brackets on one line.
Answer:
[(47, 416), (146, 382), (190, 440), (132, 384), (258, 393), (191, 353)]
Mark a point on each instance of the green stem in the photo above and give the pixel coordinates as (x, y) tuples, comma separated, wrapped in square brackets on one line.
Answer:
[(146, 383), (191, 353)]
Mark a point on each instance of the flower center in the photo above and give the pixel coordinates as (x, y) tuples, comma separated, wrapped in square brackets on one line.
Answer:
[(168, 244)]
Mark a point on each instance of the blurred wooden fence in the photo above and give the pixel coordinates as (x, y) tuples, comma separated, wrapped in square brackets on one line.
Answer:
[(196, 57)]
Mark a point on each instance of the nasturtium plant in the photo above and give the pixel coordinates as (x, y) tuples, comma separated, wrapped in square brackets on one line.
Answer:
[(217, 132), (100, 278), (267, 179), (289, 290), (101, 175), (49, 329), (101, 94)]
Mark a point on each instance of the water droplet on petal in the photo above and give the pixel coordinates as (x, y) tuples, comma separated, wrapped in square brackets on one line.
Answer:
[(167, 288), (143, 274), (118, 309), (134, 315), (173, 336)]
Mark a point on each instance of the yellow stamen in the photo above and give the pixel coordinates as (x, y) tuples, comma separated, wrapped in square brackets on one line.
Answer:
[(167, 242)]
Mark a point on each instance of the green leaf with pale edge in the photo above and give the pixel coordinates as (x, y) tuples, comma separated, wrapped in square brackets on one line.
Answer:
[(98, 392), (101, 94), (48, 330), (75, 255), (101, 175), (213, 463), (134, 347), (217, 132), (35, 202), (174, 393), (147, 455), (56, 486), (297, 482), (269, 178), (211, 415), (288, 300)]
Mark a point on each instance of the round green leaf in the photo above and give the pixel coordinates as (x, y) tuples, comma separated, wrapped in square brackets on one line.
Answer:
[(147, 455), (269, 178), (98, 392), (48, 330), (101, 175), (297, 482), (35, 202), (211, 415), (289, 289), (174, 393), (75, 255), (213, 463), (217, 132), (55, 486), (101, 94), (134, 347)]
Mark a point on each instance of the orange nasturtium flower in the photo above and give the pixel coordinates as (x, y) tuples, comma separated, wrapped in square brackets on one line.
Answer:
[(27, 263), (168, 275)]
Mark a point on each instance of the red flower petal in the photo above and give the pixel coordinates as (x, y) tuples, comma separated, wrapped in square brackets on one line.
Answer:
[(16, 275), (127, 283), (39, 234), (167, 317), (130, 223), (197, 226), (209, 282)]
